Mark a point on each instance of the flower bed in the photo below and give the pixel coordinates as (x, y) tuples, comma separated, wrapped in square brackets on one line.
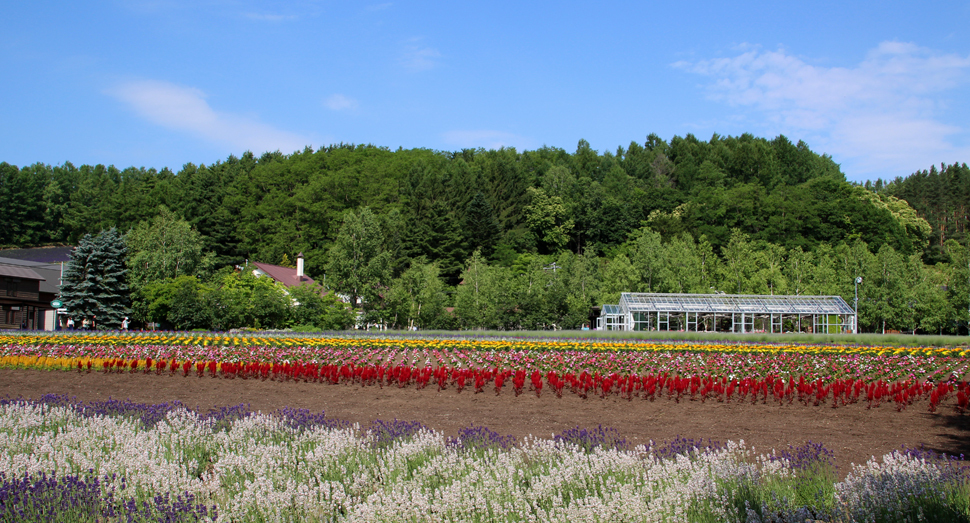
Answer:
[(139, 461), (810, 375)]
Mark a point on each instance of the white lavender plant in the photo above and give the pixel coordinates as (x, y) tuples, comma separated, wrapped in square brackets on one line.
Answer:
[(296, 466)]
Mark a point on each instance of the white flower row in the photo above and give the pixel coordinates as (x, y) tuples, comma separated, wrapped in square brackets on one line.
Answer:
[(261, 469)]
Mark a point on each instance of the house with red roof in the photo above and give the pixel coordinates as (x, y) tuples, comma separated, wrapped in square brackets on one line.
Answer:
[(288, 276)]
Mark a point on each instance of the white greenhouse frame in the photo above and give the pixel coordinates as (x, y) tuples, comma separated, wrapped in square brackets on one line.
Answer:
[(728, 313)]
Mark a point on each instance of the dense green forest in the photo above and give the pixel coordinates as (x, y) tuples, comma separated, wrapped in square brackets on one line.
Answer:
[(534, 237), (941, 197)]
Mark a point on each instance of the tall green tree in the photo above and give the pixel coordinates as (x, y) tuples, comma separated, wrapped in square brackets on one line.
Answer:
[(887, 289), (95, 283), (21, 204), (581, 281), (796, 270), (242, 299), (91, 207), (925, 298), (738, 267), (824, 279), (481, 229), (684, 269), (620, 276), (176, 302), (770, 276), (359, 265), (547, 217), (539, 291), (311, 305), (165, 247), (444, 240), (486, 297), (647, 257), (957, 274), (56, 200), (417, 299)]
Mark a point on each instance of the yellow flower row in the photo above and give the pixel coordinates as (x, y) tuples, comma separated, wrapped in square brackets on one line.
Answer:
[(97, 364), (34, 362), (494, 344)]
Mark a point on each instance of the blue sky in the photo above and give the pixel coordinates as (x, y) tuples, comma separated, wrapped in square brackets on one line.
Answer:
[(883, 87)]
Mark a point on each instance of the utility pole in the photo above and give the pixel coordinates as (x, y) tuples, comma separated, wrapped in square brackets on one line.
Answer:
[(855, 324)]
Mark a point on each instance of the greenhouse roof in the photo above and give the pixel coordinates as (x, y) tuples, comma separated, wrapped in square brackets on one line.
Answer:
[(734, 303), (612, 309)]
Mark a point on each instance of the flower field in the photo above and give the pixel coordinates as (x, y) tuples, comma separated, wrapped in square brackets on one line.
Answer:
[(105, 461), (119, 461), (810, 375)]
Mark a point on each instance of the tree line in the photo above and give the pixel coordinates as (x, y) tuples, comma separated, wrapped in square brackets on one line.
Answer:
[(898, 291), (549, 233), (941, 197)]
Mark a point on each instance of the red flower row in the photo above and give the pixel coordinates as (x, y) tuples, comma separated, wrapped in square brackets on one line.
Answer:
[(584, 384)]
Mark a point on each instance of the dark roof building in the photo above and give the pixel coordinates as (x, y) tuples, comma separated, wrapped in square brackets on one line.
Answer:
[(26, 290), (19, 272), (46, 255), (50, 273)]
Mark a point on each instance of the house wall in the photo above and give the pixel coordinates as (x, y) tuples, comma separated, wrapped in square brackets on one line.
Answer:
[(20, 302), (19, 289)]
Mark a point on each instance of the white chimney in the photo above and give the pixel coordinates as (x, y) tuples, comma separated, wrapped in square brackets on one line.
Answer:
[(299, 266)]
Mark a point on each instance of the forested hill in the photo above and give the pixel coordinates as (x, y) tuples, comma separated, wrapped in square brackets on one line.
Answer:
[(444, 205), (942, 198)]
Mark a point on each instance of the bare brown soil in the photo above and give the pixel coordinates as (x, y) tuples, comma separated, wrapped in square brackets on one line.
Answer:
[(853, 432)]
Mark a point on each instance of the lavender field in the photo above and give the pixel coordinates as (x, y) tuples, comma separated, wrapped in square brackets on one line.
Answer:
[(119, 461)]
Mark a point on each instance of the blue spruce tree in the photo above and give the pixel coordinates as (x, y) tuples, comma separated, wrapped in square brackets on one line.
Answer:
[(95, 284)]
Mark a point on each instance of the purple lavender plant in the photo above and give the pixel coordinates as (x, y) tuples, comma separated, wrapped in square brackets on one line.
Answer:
[(474, 438), (809, 457), (48, 498), (183, 509), (589, 439), (87, 498), (955, 468), (684, 446), (148, 414), (926, 454), (302, 419), (387, 432), (223, 417), (151, 414)]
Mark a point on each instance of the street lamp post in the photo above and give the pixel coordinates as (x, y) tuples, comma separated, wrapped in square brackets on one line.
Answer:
[(855, 324)]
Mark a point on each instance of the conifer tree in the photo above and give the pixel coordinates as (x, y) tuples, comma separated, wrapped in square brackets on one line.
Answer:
[(95, 284), (481, 228)]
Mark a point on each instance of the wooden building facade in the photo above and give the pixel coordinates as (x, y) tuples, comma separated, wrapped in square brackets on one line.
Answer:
[(22, 304)]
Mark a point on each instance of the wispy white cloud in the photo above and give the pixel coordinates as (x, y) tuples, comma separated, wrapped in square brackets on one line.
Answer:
[(185, 109), (379, 7), (881, 116), (418, 57), (339, 102), (486, 139)]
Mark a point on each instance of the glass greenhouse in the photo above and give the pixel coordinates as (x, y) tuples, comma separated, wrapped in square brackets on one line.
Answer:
[(728, 313)]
